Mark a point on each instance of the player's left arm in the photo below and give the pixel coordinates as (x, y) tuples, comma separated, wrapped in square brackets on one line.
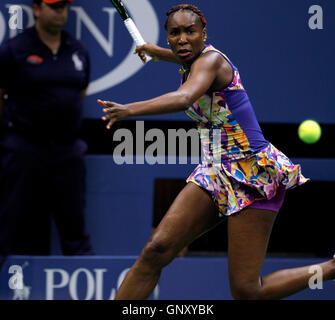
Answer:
[(156, 52)]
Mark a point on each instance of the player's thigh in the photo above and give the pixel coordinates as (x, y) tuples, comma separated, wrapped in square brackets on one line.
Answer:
[(192, 213), (248, 236)]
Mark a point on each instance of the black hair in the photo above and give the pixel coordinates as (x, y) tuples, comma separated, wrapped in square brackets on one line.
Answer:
[(189, 7)]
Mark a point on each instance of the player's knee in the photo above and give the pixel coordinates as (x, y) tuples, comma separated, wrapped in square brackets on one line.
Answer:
[(157, 253), (243, 291)]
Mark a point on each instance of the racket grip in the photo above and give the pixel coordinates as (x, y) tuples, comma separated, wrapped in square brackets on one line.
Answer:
[(135, 34)]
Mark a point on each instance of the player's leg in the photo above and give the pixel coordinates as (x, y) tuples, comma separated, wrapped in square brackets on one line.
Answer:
[(248, 236), (192, 213), (68, 186)]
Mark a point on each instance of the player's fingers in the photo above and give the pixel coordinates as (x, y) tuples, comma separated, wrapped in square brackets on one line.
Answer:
[(102, 103), (111, 122), (143, 57), (109, 115), (141, 52), (139, 49), (107, 104), (109, 110)]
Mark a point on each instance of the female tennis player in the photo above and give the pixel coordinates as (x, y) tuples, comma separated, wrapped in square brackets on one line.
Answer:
[(247, 184)]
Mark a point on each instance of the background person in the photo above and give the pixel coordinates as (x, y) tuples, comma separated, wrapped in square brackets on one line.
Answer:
[(247, 184), (43, 78)]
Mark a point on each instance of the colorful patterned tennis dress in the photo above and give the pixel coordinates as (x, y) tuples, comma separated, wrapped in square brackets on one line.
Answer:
[(239, 167)]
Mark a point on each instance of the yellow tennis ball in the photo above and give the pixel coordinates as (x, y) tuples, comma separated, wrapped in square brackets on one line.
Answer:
[(309, 131)]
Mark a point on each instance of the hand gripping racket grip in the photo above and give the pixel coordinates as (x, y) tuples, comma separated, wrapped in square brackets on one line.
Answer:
[(135, 34)]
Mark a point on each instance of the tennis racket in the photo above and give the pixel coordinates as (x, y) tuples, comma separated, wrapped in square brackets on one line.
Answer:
[(130, 25)]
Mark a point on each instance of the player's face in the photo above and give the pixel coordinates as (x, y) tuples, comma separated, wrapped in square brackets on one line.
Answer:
[(52, 17), (186, 35)]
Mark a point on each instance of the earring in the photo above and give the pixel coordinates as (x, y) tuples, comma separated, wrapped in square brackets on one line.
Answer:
[(168, 43)]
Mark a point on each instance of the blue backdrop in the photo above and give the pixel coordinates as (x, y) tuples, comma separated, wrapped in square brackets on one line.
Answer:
[(286, 66)]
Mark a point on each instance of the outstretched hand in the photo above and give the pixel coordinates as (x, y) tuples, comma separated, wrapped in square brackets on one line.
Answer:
[(114, 112)]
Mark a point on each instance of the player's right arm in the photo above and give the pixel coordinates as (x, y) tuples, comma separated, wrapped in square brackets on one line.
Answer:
[(210, 70), (156, 52)]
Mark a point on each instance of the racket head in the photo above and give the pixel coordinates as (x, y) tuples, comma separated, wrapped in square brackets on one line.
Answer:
[(119, 6)]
